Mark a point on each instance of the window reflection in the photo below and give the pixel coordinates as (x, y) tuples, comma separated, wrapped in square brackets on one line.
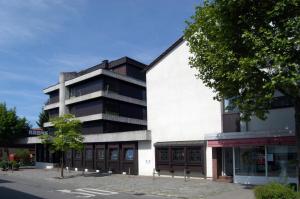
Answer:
[(250, 161), (282, 161)]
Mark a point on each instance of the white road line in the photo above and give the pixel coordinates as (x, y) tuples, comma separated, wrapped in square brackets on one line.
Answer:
[(100, 190), (88, 192), (92, 192), (83, 195)]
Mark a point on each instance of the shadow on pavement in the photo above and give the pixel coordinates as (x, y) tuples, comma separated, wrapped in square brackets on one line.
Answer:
[(7, 193), (4, 181)]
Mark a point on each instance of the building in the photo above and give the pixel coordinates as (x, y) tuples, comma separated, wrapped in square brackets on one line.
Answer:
[(110, 101), (181, 110), (196, 135)]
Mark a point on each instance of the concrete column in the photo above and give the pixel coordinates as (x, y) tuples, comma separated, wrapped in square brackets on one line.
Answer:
[(62, 94)]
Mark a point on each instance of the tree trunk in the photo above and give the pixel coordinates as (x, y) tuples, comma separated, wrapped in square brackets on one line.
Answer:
[(297, 133), (62, 165)]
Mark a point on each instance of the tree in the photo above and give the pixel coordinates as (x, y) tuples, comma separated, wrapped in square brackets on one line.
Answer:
[(246, 50), (43, 118), (12, 127), (67, 136)]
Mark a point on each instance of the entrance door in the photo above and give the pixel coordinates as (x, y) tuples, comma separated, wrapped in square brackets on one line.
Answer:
[(227, 160), (88, 157), (100, 156), (129, 159), (113, 160)]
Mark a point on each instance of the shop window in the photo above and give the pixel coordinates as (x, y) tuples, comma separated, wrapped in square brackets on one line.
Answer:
[(282, 161), (250, 161), (77, 155), (129, 154), (178, 154), (89, 154), (163, 154), (100, 154), (195, 155), (113, 154)]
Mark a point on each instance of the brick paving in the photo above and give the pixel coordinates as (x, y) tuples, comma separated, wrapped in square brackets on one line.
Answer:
[(162, 186)]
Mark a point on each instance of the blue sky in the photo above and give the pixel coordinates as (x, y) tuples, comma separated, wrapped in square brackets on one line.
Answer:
[(40, 38)]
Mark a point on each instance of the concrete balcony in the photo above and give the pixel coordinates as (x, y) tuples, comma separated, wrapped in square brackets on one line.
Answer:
[(103, 116), (107, 73), (141, 135), (51, 106), (110, 95), (51, 88)]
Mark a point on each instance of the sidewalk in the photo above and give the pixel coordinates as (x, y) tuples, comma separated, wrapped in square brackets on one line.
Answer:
[(162, 186)]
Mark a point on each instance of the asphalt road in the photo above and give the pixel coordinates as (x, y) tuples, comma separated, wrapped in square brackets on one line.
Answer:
[(12, 187)]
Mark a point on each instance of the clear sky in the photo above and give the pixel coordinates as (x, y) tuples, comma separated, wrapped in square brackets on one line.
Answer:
[(40, 38)]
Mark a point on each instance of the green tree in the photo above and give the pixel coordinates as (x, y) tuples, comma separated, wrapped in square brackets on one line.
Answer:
[(67, 136), (246, 50), (43, 118), (12, 127)]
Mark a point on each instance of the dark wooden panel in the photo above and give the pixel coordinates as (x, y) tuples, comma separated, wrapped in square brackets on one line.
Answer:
[(231, 122)]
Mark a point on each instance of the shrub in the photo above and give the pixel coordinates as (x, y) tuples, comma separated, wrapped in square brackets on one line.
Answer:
[(23, 155), (274, 191), (4, 165), (15, 165)]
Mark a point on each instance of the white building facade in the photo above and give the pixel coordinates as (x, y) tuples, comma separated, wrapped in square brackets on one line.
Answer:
[(192, 134), (181, 110)]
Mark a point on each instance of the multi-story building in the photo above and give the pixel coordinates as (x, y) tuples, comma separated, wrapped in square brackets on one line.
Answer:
[(110, 101), (189, 133), (192, 133)]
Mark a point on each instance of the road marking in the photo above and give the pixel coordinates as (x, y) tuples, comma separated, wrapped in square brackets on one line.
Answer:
[(97, 191), (88, 192), (83, 195)]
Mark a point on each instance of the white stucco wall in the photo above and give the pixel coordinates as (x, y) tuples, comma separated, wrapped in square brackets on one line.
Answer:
[(179, 106)]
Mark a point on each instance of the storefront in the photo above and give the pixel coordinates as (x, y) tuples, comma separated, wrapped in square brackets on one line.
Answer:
[(115, 157), (180, 158), (255, 160)]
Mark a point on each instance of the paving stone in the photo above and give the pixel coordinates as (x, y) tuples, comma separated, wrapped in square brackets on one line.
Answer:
[(171, 187)]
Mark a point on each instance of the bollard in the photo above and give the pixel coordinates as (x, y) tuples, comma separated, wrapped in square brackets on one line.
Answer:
[(184, 173), (76, 169), (153, 174), (129, 171)]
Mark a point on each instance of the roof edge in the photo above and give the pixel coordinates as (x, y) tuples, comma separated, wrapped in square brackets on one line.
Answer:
[(164, 54)]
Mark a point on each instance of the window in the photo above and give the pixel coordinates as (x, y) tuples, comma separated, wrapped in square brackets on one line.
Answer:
[(129, 154), (111, 108), (281, 102), (282, 161), (195, 155), (89, 154), (250, 161), (229, 106), (178, 154), (113, 154), (163, 154), (100, 154), (69, 154), (77, 155)]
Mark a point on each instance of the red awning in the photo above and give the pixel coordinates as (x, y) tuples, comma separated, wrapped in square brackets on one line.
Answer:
[(286, 140)]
